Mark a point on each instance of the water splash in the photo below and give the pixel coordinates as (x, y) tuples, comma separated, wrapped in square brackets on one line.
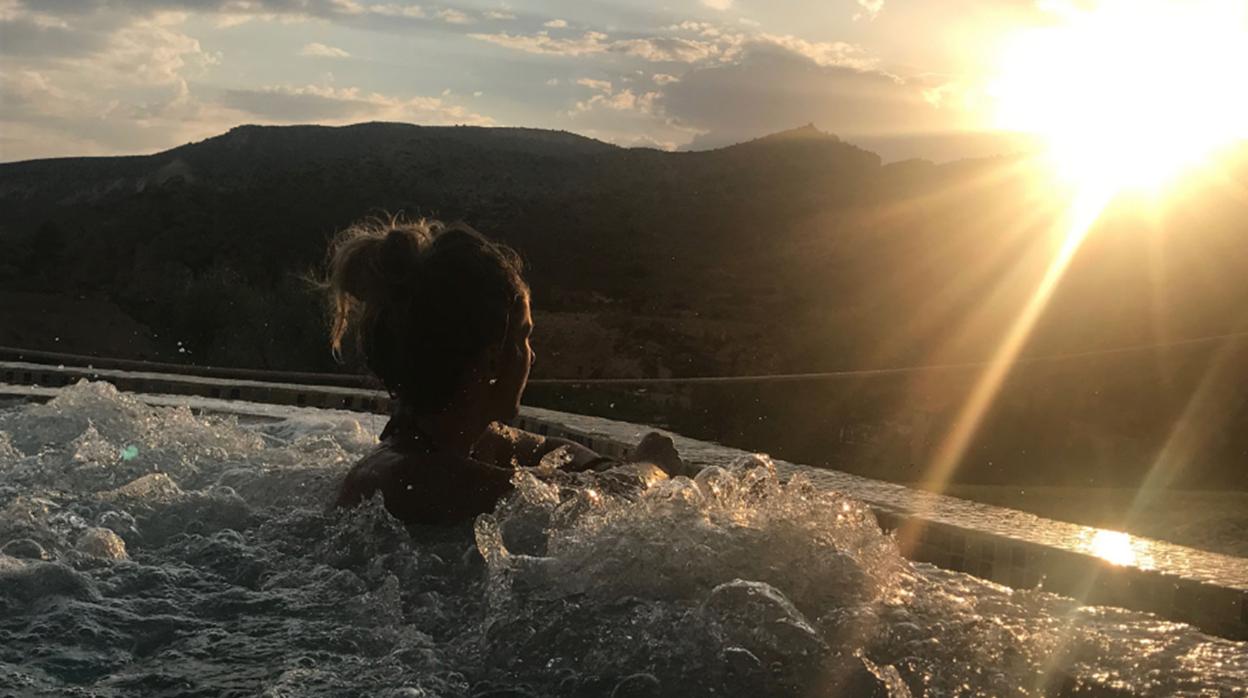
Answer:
[(209, 562)]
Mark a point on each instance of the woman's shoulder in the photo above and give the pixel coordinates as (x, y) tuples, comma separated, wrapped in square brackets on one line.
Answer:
[(369, 475), (392, 462)]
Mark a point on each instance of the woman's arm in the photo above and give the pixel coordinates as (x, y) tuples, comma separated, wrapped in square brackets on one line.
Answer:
[(506, 446)]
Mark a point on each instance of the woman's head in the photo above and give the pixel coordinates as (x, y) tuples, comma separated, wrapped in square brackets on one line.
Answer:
[(439, 311)]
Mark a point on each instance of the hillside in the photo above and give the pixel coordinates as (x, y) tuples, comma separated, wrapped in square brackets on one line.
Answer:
[(597, 223), (793, 252)]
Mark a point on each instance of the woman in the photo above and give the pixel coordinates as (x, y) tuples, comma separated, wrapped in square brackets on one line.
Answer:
[(441, 315)]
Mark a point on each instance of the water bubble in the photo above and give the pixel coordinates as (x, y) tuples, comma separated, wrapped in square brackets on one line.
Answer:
[(639, 685), (24, 549), (151, 487), (119, 522), (102, 543), (556, 459)]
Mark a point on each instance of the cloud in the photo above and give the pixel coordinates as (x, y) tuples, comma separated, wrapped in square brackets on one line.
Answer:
[(308, 8), (664, 49), (695, 27), (93, 77), (702, 42), (296, 104), (103, 51), (29, 94), (542, 43), (321, 50), (607, 97), (152, 52), (62, 35), (771, 87), (121, 75), (86, 80), (726, 43), (597, 85), (453, 16), (626, 117), (740, 84), (822, 53), (396, 10), (624, 100), (53, 114), (28, 37), (654, 49), (323, 103), (229, 13), (868, 9)]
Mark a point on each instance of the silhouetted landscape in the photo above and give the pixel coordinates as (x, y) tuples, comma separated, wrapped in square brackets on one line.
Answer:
[(796, 252)]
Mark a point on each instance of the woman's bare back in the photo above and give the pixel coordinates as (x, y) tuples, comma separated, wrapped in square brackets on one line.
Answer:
[(422, 487)]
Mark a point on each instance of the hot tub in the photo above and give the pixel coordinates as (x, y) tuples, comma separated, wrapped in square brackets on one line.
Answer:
[(185, 548)]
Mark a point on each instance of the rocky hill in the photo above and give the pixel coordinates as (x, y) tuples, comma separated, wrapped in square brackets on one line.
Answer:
[(250, 208)]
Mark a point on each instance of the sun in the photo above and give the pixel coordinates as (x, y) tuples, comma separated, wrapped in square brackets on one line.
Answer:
[(1127, 94)]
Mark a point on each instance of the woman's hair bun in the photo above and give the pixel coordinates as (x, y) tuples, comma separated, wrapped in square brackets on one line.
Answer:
[(400, 253), (371, 263)]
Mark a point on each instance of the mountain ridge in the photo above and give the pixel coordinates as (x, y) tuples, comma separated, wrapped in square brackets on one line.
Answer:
[(245, 130)]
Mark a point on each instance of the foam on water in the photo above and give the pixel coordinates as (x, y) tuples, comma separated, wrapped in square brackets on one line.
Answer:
[(153, 551)]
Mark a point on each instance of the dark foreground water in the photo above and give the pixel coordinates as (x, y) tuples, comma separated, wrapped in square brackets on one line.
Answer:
[(150, 551)]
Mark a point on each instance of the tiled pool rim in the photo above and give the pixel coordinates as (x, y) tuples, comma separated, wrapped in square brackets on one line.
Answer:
[(1010, 547)]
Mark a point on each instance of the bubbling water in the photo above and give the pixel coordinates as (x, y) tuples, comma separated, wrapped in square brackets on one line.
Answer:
[(156, 551), (733, 582)]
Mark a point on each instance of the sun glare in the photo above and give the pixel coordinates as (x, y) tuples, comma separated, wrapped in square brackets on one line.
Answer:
[(1112, 546), (1130, 94), (1126, 95)]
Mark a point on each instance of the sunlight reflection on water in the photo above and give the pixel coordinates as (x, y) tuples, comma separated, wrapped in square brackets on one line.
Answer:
[(1118, 548)]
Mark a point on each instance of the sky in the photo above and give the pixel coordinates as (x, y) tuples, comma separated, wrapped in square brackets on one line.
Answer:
[(105, 77)]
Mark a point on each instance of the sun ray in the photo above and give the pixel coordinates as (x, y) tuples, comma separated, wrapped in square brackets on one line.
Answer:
[(1116, 114), (939, 309), (1084, 208), (1205, 412), (1079, 217)]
